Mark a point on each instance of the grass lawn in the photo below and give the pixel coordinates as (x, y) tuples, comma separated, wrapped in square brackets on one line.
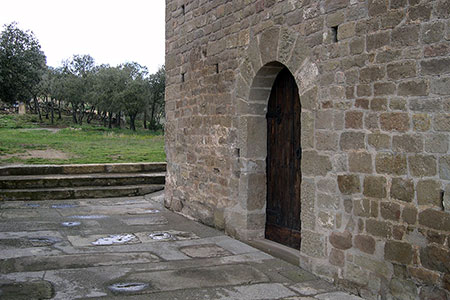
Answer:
[(23, 141)]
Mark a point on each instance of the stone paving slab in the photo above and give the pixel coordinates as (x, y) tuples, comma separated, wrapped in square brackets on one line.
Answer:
[(133, 248)]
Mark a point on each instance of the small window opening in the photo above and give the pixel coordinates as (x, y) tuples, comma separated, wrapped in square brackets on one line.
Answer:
[(183, 9), (204, 52), (182, 77), (334, 34), (217, 68)]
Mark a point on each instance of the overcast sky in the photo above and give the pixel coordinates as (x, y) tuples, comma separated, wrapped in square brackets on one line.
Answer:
[(111, 31)]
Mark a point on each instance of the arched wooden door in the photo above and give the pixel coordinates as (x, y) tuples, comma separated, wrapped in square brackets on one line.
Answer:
[(283, 162)]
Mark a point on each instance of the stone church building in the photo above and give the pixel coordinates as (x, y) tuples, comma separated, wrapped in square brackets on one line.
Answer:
[(320, 125)]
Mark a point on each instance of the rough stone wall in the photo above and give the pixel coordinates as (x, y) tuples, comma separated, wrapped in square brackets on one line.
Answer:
[(374, 83)]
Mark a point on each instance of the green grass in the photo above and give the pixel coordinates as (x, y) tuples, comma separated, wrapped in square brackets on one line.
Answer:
[(85, 144)]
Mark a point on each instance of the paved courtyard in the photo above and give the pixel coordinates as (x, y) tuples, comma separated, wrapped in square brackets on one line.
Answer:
[(133, 248)]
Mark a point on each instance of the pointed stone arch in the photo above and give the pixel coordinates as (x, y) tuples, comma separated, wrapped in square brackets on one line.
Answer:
[(267, 54)]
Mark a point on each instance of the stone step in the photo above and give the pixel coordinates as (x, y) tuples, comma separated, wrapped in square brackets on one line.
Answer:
[(79, 192), (82, 169), (78, 180)]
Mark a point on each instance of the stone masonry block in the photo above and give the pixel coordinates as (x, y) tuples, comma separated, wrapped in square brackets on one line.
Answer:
[(421, 122), (398, 252), (377, 7), (337, 258), (409, 215), (429, 192), (413, 88), (324, 119), (345, 31), (422, 165), (435, 219), (402, 189), (377, 40), (341, 240), (378, 104), (357, 45), (441, 86), (387, 163), (375, 186), (354, 119), (432, 33), (420, 13), (349, 184), (313, 244), (390, 211), (332, 5), (379, 228), (442, 122), (401, 70), (285, 45), (444, 167), (407, 143), (384, 88), (379, 141), (327, 141), (360, 162), (365, 243), (352, 141), (314, 164), (394, 122), (435, 258), (308, 196), (436, 66), (362, 208), (371, 74), (268, 44), (392, 19), (307, 130), (442, 9), (405, 36)]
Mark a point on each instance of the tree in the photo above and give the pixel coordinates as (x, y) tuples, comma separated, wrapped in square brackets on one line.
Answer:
[(136, 91), (78, 83), (22, 64), (109, 82), (157, 84)]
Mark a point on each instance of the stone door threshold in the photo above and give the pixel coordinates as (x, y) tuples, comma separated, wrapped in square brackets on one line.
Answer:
[(285, 253)]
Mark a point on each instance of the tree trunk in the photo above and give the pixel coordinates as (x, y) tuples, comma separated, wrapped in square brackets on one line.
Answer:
[(74, 114), (118, 116), (46, 108), (152, 116), (90, 115), (145, 118), (132, 125), (81, 115), (110, 120), (36, 106), (52, 110), (59, 110)]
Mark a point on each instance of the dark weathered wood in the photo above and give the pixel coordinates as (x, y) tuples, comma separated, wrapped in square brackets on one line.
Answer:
[(283, 162)]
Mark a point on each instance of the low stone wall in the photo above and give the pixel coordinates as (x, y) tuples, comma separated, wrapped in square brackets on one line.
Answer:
[(374, 84)]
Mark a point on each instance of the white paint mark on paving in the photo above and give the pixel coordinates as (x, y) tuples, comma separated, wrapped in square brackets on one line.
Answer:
[(70, 224), (128, 287), (89, 217), (64, 205), (161, 236), (114, 239)]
